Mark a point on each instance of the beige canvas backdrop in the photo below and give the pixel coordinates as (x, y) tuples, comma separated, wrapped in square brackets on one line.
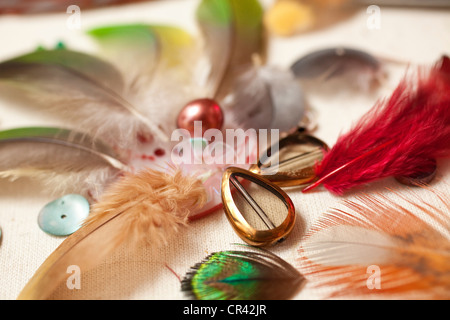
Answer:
[(410, 35)]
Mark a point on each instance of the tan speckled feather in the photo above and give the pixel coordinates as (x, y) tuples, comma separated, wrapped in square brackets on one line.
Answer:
[(143, 208)]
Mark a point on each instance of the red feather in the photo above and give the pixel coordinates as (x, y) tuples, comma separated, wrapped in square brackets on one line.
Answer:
[(400, 136)]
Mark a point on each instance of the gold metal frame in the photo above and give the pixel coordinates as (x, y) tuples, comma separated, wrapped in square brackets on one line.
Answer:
[(298, 177), (246, 232)]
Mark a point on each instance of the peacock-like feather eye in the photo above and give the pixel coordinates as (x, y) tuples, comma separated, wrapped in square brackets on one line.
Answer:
[(242, 275), (261, 213)]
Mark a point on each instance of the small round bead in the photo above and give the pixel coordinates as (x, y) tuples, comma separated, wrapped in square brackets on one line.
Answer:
[(64, 216)]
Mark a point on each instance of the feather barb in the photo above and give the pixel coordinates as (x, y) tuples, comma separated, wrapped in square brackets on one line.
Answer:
[(146, 208)]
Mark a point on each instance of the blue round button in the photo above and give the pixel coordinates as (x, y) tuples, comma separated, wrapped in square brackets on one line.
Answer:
[(64, 216)]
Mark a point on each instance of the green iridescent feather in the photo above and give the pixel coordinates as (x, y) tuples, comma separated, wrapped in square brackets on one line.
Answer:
[(242, 275), (233, 33), (156, 61), (235, 46), (145, 49)]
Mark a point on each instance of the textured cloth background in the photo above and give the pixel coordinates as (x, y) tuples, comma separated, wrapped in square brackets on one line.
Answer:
[(410, 35)]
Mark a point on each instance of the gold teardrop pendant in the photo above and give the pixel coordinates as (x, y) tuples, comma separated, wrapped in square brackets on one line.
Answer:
[(290, 162), (260, 212)]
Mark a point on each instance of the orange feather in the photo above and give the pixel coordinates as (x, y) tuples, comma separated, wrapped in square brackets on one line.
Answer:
[(407, 246)]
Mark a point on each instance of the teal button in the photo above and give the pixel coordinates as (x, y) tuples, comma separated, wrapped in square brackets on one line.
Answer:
[(64, 216)]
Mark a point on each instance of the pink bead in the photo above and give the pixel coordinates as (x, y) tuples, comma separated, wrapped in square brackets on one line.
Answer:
[(205, 110)]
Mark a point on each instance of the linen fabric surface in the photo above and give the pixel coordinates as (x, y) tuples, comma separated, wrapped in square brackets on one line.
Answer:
[(407, 35)]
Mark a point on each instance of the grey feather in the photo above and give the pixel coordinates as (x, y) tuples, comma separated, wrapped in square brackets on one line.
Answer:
[(83, 90), (65, 160)]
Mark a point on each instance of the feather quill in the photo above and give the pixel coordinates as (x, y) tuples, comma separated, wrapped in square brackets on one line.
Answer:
[(66, 160), (145, 208), (242, 275), (381, 247), (400, 136), (156, 61), (83, 90), (234, 40)]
